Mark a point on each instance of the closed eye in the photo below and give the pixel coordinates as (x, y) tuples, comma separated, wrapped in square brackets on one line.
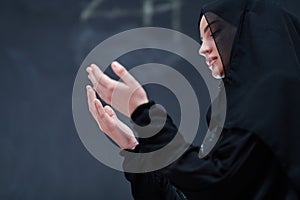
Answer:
[(215, 33)]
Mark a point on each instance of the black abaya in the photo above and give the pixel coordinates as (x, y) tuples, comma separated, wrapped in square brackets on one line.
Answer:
[(258, 153), (240, 166)]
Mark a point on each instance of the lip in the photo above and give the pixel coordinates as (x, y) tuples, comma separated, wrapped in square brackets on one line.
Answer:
[(211, 61)]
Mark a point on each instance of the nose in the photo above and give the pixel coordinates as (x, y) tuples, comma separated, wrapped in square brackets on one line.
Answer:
[(205, 49)]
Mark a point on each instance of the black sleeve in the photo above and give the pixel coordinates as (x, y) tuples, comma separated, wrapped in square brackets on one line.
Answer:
[(152, 185), (189, 173)]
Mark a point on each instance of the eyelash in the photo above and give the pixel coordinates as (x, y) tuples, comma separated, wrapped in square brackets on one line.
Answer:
[(214, 34)]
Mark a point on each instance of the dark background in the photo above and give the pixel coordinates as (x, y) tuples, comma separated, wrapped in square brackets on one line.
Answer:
[(42, 46)]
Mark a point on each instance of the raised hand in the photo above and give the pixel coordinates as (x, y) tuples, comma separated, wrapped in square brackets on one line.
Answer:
[(109, 123), (124, 96)]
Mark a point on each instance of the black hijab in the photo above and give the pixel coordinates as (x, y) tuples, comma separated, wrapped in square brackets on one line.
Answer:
[(259, 43)]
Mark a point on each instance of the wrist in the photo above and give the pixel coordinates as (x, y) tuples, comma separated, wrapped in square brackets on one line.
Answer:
[(138, 104)]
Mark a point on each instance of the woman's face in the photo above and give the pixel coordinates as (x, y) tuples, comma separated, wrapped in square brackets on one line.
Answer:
[(209, 50)]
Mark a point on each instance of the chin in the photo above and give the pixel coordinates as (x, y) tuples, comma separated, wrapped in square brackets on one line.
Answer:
[(218, 75)]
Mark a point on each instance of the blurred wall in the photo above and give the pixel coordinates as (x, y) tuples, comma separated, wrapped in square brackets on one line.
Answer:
[(42, 46)]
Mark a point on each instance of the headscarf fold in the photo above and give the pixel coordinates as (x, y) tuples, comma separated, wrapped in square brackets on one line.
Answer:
[(259, 43)]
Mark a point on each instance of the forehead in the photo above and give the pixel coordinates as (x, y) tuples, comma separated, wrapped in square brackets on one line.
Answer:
[(202, 25)]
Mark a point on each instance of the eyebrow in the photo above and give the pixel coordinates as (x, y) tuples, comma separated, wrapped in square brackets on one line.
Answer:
[(207, 26)]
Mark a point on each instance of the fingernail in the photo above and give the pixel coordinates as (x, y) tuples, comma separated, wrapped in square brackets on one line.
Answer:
[(89, 69), (93, 65), (116, 65)]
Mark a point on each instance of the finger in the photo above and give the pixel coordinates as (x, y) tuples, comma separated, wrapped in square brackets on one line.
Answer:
[(122, 72), (99, 113), (91, 76), (91, 96), (95, 72), (100, 77), (99, 108), (102, 91), (103, 117), (92, 79), (103, 84), (90, 92), (110, 111)]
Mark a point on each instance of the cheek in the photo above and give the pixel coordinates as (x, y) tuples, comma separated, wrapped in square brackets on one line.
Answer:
[(215, 48), (219, 63)]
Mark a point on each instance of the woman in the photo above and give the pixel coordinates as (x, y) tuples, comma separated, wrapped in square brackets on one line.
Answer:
[(254, 46)]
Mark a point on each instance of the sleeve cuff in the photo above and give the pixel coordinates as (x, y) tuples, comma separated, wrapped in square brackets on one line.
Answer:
[(142, 110)]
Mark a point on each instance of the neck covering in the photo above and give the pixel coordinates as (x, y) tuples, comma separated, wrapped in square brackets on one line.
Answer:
[(259, 43)]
